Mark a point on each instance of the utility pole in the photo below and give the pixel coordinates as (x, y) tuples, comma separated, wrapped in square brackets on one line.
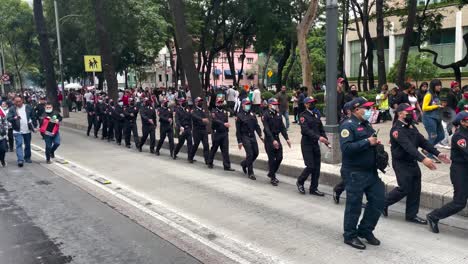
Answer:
[(59, 42), (332, 155), (166, 76), (2, 66)]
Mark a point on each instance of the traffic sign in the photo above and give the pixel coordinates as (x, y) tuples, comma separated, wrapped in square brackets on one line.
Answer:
[(92, 63), (270, 73), (5, 78)]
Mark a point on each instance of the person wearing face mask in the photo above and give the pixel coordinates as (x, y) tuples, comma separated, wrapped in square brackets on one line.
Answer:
[(352, 94), (200, 134), (109, 120), (220, 136), (91, 115), (131, 113), (405, 140), (184, 126), (458, 175), (246, 126), (50, 119), (5, 109), (432, 119), (148, 122), (312, 133), (166, 117), (118, 117), (100, 116), (359, 170), (4, 126), (273, 126), (464, 100)]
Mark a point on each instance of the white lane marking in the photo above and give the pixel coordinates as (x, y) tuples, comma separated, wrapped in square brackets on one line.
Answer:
[(180, 228)]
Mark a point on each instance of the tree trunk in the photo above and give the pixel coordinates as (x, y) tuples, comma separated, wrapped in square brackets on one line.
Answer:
[(282, 63), (407, 39), (382, 75), (101, 81), (46, 56), (230, 58), (291, 64), (106, 50), (126, 79), (186, 50), (244, 47), (362, 65), (302, 32), (265, 67), (370, 44), (341, 48), (171, 59)]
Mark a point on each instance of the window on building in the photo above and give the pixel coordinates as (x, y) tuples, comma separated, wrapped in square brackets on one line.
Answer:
[(160, 77), (167, 77), (423, 2), (249, 60), (443, 36)]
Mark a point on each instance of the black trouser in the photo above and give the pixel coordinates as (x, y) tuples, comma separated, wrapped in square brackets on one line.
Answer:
[(97, 125), (3, 148), (131, 127), (296, 114), (11, 139), (118, 128), (148, 130), (105, 125), (251, 150), (200, 136), (220, 140), (186, 135), (231, 105), (110, 128), (91, 123), (166, 130), (312, 160), (339, 188), (275, 156), (408, 177), (458, 176), (79, 105)]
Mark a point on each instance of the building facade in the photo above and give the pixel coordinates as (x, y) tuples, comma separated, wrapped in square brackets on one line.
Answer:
[(448, 42)]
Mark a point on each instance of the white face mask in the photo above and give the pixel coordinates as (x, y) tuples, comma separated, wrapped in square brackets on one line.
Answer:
[(5, 107), (100, 101), (121, 103), (48, 111), (274, 107)]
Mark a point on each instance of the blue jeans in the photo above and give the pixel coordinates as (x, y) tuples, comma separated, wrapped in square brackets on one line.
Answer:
[(434, 128), (51, 143), (286, 116), (357, 184), (19, 140)]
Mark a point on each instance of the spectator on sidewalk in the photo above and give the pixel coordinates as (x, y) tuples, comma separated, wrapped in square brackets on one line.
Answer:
[(431, 114), (384, 108), (283, 99), (340, 97), (463, 103), (421, 92), (232, 95), (5, 109), (256, 101), (352, 94), (295, 102), (50, 131), (4, 126), (22, 118)]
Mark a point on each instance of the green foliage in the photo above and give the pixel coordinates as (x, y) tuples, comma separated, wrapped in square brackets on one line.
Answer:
[(267, 95), (419, 68)]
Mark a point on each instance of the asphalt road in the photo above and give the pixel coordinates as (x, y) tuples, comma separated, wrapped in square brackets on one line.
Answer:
[(245, 221), (46, 219)]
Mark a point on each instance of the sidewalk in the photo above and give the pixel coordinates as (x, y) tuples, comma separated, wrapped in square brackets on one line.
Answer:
[(436, 186)]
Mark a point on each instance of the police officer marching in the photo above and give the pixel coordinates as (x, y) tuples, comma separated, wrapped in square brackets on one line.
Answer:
[(272, 127), (458, 175), (100, 119), (165, 126), (359, 170), (200, 134), (110, 120), (119, 121), (91, 115), (220, 136), (405, 140), (131, 113), (312, 133), (148, 122), (246, 126), (184, 126)]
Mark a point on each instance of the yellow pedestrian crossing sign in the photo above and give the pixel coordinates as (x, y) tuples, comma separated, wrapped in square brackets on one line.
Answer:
[(92, 63), (270, 73)]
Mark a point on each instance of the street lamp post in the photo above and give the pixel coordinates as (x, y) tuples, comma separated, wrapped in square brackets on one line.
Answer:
[(332, 155), (59, 44)]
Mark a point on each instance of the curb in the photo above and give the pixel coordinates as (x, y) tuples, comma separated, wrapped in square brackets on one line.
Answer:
[(432, 195)]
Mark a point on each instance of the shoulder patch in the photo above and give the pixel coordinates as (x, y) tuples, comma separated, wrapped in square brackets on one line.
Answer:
[(302, 119), (395, 134), (344, 133), (461, 143)]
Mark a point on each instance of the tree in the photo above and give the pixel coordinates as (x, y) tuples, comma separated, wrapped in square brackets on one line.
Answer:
[(407, 40), (46, 56), (379, 11), (302, 33), (419, 68)]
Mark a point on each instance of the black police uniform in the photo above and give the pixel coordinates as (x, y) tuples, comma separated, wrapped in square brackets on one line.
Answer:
[(220, 136), (165, 129), (100, 120), (199, 134), (360, 174), (110, 121), (91, 113), (405, 140), (458, 176), (148, 113), (272, 127), (184, 119), (119, 122), (131, 113), (311, 131), (246, 126)]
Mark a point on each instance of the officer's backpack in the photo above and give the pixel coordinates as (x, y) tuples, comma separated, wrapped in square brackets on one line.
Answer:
[(381, 158)]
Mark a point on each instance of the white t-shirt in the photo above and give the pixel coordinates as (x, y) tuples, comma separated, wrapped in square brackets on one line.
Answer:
[(231, 93), (257, 97), (24, 129), (89, 97), (413, 100)]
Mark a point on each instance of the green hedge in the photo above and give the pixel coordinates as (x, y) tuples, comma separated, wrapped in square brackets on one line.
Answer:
[(267, 95)]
